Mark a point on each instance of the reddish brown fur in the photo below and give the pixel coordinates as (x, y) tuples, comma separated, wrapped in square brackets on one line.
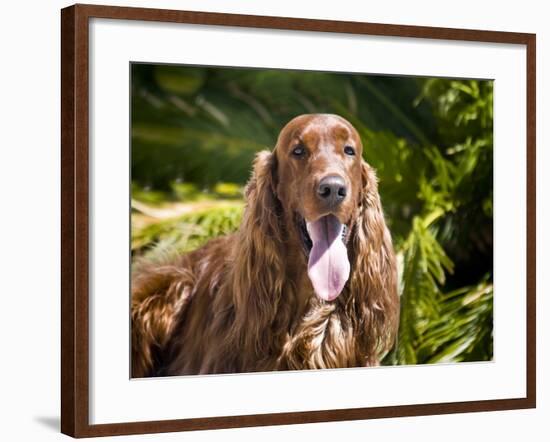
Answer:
[(244, 302)]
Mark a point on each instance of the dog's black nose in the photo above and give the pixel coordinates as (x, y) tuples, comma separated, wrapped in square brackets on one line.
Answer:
[(332, 190)]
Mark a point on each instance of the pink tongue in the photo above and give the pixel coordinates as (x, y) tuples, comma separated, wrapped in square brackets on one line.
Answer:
[(328, 266)]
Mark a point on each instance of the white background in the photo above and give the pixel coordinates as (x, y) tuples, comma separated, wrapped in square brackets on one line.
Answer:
[(114, 398), (29, 219)]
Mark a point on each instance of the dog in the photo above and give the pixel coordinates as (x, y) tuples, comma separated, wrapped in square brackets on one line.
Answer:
[(308, 281)]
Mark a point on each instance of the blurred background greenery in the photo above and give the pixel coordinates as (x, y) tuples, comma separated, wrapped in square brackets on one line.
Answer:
[(195, 131)]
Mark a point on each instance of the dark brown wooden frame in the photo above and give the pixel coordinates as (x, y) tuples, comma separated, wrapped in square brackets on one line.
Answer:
[(74, 219)]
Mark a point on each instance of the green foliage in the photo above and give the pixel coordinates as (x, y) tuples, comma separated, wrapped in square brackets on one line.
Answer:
[(186, 232), (439, 322), (425, 264), (195, 132), (462, 331)]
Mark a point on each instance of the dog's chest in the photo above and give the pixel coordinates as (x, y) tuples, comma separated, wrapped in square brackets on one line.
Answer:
[(321, 336)]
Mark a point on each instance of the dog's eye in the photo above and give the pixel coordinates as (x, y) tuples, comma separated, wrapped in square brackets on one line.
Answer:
[(299, 151), (348, 150)]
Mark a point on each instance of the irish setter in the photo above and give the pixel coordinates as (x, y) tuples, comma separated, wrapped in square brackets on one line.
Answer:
[(308, 281)]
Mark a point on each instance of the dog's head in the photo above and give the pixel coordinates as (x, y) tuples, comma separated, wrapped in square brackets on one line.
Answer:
[(328, 195), (319, 181), (319, 168)]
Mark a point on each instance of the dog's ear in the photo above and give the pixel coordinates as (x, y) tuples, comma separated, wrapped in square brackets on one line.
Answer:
[(262, 205), (259, 274), (374, 269)]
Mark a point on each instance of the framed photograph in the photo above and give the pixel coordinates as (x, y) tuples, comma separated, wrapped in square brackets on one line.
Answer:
[(272, 220)]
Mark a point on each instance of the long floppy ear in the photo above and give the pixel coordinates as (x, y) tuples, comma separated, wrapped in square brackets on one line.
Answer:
[(374, 275), (258, 276)]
